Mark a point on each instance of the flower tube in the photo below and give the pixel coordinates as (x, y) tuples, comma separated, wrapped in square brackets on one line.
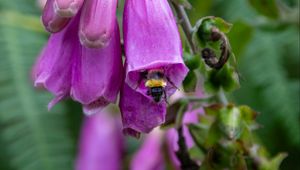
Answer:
[(154, 64), (97, 22), (100, 143), (67, 8), (51, 20), (152, 42), (98, 75), (139, 114), (92, 77)]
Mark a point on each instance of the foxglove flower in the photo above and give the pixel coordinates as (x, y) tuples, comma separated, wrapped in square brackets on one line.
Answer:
[(101, 144), (152, 146), (139, 114), (152, 42), (91, 76), (97, 21)]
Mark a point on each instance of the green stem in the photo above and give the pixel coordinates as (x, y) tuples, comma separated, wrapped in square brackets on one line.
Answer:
[(188, 30)]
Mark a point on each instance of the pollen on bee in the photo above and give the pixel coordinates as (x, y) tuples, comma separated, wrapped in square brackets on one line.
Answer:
[(156, 83)]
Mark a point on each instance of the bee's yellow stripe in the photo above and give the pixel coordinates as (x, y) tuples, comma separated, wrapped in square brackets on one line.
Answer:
[(155, 83)]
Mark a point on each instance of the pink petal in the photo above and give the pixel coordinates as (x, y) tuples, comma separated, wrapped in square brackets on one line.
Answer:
[(67, 8), (53, 69), (97, 22), (51, 20), (98, 74), (152, 40), (150, 155), (139, 113), (100, 143)]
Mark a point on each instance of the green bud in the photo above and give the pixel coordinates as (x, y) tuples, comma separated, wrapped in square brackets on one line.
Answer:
[(190, 82), (191, 61)]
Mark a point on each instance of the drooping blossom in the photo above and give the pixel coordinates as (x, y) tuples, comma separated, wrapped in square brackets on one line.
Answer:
[(139, 114), (101, 144), (151, 41), (97, 21), (66, 68)]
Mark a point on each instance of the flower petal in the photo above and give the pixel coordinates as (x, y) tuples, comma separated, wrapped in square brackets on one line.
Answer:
[(53, 69), (152, 146), (152, 40), (139, 113), (100, 143), (98, 75), (51, 20), (67, 8), (97, 22)]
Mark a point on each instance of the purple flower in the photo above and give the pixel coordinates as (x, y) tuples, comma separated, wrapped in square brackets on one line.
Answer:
[(149, 156), (101, 144), (97, 21), (139, 114), (92, 77), (154, 64)]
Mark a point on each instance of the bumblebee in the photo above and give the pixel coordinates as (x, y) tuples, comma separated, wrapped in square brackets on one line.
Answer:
[(156, 83)]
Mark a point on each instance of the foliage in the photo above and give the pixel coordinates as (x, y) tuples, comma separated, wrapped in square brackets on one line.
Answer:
[(30, 136), (264, 39)]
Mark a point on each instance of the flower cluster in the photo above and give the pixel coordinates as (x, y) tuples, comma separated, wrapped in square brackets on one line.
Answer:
[(83, 58), (102, 145)]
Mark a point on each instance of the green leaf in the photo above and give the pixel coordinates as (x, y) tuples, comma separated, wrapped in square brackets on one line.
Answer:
[(274, 163), (190, 82), (191, 61), (226, 78), (231, 122), (267, 8), (31, 137)]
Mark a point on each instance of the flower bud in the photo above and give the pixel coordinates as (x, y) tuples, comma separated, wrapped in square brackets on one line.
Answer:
[(97, 22), (51, 20), (67, 8), (98, 75)]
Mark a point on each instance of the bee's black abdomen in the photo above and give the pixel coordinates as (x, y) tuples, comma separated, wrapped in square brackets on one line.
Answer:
[(156, 93)]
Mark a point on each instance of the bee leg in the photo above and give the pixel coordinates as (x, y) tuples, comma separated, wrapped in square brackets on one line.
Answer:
[(172, 83), (165, 97)]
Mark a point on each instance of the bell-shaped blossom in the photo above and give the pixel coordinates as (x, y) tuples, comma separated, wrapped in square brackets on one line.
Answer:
[(139, 114), (149, 156), (97, 19), (100, 146), (91, 76), (152, 41)]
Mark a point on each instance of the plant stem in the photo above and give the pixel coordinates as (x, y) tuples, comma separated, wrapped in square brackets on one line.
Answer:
[(186, 25), (188, 30)]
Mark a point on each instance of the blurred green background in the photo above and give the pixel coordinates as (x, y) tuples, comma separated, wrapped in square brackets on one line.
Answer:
[(265, 40)]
